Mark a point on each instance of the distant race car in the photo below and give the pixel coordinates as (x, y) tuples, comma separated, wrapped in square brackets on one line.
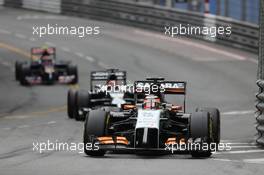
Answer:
[(153, 124), (43, 68), (103, 94)]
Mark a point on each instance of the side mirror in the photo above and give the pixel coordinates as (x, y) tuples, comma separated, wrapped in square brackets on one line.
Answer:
[(128, 106), (176, 108)]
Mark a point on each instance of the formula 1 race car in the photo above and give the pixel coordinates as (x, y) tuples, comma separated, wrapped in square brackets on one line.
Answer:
[(153, 124), (105, 92), (45, 69)]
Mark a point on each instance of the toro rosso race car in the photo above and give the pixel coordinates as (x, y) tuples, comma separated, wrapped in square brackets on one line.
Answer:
[(153, 124), (45, 69), (104, 93)]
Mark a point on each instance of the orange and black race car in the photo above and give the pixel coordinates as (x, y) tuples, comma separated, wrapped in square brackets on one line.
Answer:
[(153, 124), (45, 69)]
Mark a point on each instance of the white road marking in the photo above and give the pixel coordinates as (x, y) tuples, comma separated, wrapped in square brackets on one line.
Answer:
[(238, 112), (23, 126), (3, 31), (244, 146), (205, 59), (241, 152), (51, 122), (197, 45), (6, 64), (240, 143), (50, 43), (253, 161), (65, 49), (79, 54), (253, 60), (260, 160), (21, 17), (225, 141), (236, 141), (7, 128), (21, 36), (91, 59), (32, 39), (17, 117), (103, 65), (224, 160)]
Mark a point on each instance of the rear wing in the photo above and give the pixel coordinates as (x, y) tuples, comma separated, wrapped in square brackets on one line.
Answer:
[(164, 87), (103, 76), (161, 88), (38, 51)]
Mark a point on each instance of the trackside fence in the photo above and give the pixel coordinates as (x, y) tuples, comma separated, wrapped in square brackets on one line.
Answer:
[(148, 16), (260, 82)]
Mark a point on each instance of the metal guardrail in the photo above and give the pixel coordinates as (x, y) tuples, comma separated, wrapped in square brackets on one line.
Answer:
[(53, 6), (13, 3), (153, 17), (260, 113), (244, 35), (260, 82)]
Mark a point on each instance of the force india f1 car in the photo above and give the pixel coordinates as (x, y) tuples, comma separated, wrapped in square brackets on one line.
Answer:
[(102, 94), (153, 124), (45, 69)]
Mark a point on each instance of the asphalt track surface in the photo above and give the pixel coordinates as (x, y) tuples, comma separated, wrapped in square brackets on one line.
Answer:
[(216, 75)]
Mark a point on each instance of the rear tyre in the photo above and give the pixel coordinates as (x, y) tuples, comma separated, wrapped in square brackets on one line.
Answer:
[(71, 102), (73, 70), (94, 126), (18, 66), (82, 101), (200, 129), (215, 116)]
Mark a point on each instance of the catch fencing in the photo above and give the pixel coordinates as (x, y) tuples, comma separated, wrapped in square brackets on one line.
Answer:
[(260, 82)]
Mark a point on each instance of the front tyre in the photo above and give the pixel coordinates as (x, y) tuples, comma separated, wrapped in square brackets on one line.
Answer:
[(25, 71), (18, 66), (215, 116), (200, 128), (71, 102), (94, 126)]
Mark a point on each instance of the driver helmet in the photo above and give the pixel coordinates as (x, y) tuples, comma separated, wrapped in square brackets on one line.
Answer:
[(151, 102), (45, 54), (112, 81)]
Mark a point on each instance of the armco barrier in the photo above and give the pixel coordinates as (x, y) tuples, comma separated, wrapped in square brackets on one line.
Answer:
[(13, 3), (53, 6), (244, 35), (260, 113)]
